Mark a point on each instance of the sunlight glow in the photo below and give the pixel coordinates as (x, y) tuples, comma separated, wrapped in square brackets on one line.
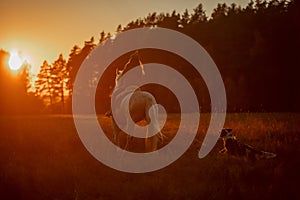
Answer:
[(16, 60)]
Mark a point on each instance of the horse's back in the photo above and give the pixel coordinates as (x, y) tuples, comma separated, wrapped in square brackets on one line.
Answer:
[(139, 104)]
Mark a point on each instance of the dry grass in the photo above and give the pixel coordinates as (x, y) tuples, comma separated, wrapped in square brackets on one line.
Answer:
[(42, 157)]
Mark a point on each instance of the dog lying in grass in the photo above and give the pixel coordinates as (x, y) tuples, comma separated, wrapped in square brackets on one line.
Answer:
[(233, 147)]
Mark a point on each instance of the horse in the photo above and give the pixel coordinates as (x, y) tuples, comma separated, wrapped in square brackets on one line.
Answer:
[(141, 106)]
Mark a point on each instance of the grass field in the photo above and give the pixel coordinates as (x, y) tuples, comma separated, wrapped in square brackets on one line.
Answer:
[(42, 157)]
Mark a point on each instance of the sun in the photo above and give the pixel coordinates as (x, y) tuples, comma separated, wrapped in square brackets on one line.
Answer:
[(15, 61)]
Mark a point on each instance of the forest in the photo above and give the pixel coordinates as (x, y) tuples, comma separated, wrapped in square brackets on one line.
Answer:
[(256, 49)]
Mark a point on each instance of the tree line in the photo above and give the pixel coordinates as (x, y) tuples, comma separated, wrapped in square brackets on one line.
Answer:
[(255, 48)]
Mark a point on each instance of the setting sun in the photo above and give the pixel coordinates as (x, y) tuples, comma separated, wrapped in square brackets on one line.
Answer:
[(15, 60)]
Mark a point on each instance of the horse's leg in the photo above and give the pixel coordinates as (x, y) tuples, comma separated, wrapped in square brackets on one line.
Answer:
[(129, 128), (116, 131), (148, 143), (152, 114), (151, 144)]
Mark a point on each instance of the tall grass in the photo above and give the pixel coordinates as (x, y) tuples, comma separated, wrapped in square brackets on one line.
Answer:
[(42, 157)]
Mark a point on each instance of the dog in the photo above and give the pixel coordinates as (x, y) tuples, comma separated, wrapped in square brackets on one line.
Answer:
[(235, 148)]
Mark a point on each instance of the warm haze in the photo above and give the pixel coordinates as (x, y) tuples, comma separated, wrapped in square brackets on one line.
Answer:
[(61, 139), (43, 29)]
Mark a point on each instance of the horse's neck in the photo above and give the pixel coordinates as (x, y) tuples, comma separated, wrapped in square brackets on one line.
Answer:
[(121, 91)]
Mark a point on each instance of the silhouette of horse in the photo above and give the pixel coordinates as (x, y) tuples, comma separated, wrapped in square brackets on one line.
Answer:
[(141, 106)]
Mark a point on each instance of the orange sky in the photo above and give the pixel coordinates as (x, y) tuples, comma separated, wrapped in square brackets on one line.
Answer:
[(42, 29)]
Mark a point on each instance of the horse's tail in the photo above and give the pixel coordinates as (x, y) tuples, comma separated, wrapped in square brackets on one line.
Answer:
[(152, 117)]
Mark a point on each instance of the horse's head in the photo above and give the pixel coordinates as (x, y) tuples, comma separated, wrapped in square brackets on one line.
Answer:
[(119, 74)]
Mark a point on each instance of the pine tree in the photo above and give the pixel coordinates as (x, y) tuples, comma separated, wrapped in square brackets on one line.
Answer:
[(199, 15), (185, 18), (72, 63), (43, 85), (53, 82), (59, 79), (102, 37), (25, 78), (77, 56), (119, 29)]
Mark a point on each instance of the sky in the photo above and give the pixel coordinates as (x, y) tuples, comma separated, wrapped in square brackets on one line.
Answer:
[(42, 29)]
